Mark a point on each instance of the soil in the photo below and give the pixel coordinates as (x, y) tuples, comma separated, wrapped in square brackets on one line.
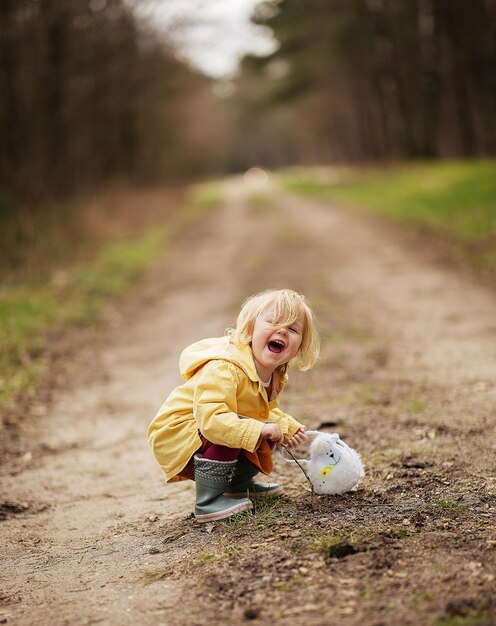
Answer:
[(91, 534)]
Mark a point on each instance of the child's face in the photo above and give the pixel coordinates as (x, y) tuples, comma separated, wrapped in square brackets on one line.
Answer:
[(274, 345)]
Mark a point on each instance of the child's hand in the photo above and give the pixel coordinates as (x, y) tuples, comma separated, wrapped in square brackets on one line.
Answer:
[(273, 432), (298, 438)]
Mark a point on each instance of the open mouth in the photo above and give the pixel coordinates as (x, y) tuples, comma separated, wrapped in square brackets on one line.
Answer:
[(276, 346)]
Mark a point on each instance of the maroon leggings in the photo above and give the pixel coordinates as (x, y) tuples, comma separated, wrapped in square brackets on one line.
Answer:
[(221, 453), (216, 452)]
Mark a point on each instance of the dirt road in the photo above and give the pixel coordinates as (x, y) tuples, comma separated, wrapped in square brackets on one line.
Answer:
[(408, 377)]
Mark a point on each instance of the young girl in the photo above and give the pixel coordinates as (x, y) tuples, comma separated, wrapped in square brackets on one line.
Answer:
[(218, 428)]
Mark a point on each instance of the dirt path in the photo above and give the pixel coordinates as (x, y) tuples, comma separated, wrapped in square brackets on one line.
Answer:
[(91, 534)]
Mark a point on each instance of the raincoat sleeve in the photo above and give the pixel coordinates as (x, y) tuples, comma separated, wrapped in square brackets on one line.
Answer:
[(286, 423), (215, 408)]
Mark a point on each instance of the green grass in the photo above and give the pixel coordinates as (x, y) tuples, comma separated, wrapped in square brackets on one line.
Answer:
[(204, 558), (75, 294), (28, 311), (416, 405), (325, 542), (447, 504), (455, 198)]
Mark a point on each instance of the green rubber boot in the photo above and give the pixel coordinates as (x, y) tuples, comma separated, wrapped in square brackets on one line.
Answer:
[(212, 479), (243, 485)]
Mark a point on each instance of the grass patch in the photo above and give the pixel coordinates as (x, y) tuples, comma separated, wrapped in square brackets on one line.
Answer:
[(74, 294), (415, 405), (447, 504), (74, 297), (338, 545), (454, 198), (325, 543), (204, 558), (396, 531), (206, 196), (268, 513)]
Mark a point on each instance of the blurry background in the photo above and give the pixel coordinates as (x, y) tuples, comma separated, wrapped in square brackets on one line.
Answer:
[(110, 108), (98, 90)]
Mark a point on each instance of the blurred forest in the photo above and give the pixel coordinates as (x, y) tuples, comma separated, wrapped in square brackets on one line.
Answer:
[(371, 80), (104, 125), (90, 94)]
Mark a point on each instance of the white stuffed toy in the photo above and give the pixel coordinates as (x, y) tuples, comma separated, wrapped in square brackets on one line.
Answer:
[(333, 467)]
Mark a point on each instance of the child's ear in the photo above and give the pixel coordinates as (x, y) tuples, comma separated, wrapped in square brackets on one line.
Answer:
[(249, 331)]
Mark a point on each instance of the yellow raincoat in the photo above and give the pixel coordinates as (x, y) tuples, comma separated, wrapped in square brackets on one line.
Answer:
[(223, 400)]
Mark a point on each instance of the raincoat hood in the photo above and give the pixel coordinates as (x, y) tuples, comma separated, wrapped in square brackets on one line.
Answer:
[(195, 356)]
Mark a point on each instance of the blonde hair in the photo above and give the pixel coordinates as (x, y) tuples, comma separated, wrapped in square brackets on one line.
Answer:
[(286, 305)]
